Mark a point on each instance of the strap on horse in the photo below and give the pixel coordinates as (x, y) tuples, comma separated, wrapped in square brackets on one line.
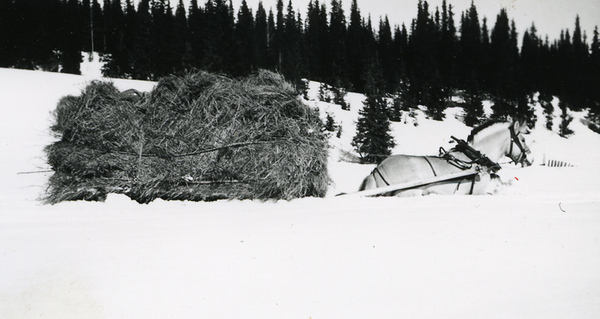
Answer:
[(474, 155)]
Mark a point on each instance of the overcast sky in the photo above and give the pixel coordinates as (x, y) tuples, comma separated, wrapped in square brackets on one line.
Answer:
[(550, 16)]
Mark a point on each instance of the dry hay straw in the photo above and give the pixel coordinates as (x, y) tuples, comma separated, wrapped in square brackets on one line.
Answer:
[(197, 137)]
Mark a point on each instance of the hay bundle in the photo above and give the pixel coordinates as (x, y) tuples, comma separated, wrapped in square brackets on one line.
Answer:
[(197, 137)]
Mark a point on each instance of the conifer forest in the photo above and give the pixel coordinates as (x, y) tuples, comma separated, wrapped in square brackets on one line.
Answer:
[(441, 53)]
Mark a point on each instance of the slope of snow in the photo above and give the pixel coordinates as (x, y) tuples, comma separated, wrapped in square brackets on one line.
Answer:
[(530, 252)]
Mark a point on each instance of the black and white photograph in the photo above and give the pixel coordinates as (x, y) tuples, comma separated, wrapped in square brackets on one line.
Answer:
[(306, 159)]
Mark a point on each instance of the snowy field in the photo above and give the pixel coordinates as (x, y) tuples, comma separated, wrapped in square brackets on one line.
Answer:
[(532, 251)]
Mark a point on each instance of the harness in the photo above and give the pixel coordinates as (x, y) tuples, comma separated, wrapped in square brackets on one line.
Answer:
[(515, 140), (475, 156)]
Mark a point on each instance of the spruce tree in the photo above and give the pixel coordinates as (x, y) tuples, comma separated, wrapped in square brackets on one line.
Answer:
[(129, 36), (386, 55), (291, 46), (471, 50), (273, 52), (261, 38), (115, 54), (197, 29), (245, 41), (72, 39), (503, 65), (337, 46), (315, 31), (594, 109), (425, 78), (181, 36), (355, 47), (278, 36), (448, 49), (98, 27), (142, 67), (530, 61), (373, 140)]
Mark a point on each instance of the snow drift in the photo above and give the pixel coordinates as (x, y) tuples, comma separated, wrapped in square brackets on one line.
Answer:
[(529, 252)]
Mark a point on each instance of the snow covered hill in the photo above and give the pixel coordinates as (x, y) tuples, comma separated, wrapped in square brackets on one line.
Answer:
[(531, 251)]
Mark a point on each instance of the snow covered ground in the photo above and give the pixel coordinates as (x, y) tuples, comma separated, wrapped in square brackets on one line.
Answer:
[(532, 251)]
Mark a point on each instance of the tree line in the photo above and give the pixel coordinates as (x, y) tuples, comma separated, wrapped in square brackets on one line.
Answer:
[(437, 55)]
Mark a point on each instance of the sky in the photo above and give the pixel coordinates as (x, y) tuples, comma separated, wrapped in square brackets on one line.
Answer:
[(550, 16)]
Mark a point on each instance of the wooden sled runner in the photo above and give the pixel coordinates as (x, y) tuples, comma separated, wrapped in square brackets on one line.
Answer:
[(412, 184)]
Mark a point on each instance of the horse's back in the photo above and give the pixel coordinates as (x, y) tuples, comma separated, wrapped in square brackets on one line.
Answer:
[(402, 168)]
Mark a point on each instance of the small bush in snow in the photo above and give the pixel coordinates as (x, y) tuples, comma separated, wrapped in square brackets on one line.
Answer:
[(546, 103), (566, 119), (473, 110), (329, 123)]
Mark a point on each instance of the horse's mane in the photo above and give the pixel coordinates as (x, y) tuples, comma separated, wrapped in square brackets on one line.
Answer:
[(482, 127)]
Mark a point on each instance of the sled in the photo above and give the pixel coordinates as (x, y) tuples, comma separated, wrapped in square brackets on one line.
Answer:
[(413, 184)]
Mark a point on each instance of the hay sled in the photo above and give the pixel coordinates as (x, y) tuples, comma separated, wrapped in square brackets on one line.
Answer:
[(198, 137)]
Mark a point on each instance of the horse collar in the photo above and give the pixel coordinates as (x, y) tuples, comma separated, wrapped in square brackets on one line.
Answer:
[(474, 155)]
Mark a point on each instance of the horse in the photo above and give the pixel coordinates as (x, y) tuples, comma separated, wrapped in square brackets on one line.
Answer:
[(492, 141)]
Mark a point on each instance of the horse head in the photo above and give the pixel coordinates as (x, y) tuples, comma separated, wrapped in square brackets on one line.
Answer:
[(500, 139), (518, 151)]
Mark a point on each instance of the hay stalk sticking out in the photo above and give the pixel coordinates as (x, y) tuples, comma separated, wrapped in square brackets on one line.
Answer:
[(197, 137)]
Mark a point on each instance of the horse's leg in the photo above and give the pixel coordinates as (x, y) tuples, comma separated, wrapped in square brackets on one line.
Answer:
[(368, 183), (488, 184)]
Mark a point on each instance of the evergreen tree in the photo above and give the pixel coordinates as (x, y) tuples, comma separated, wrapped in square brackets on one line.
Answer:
[(594, 81), (373, 140), (97, 27), (6, 38), (245, 41), (387, 55), (129, 38), (261, 42), (141, 64), (278, 36), (448, 48), (197, 29), (424, 74), (72, 41), (273, 53), (400, 52), (530, 60), (315, 32), (36, 26), (337, 46), (473, 110), (219, 48), (503, 64), (116, 53), (85, 16), (471, 50), (485, 73), (291, 46), (355, 47), (578, 91)]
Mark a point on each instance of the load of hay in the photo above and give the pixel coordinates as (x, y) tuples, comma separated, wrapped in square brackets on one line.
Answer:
[(198, 137)]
